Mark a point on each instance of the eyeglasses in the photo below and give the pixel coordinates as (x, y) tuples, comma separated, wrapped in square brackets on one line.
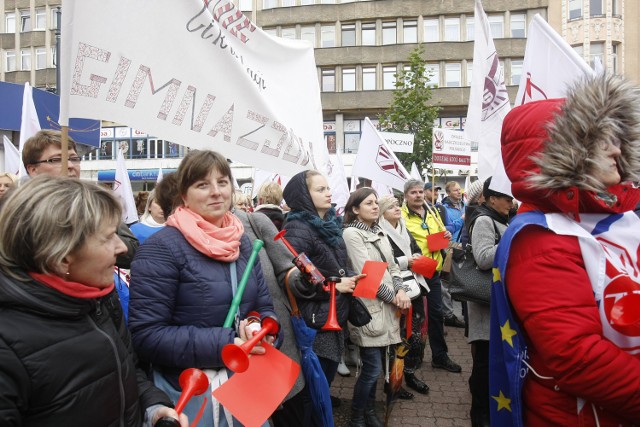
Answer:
[(58, 160)]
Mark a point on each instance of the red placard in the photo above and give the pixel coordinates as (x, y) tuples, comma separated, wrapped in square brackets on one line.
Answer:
[(437, 241), (368, 286), (425, 266)]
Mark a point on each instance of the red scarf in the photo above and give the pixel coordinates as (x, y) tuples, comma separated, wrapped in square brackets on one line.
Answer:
[(219, 243), (72, 289)]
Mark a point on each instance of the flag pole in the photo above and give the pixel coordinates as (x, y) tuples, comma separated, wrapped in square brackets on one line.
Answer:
[(64, 150)]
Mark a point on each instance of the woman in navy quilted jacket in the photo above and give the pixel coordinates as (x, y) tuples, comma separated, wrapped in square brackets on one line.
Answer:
[(183, 281)]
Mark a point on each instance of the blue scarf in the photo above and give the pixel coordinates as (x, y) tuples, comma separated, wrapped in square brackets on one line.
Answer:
[(330, 229)]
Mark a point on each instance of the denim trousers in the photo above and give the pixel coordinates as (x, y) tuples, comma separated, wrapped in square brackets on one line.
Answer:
[(436, 322), (365, 389)]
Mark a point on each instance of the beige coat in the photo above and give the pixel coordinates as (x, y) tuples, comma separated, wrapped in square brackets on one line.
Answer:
[(384, 328)]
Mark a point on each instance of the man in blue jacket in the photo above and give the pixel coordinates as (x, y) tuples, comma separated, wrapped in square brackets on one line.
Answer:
[(454, 207)]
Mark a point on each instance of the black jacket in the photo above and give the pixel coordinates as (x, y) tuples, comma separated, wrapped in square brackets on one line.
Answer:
[(67, 361)]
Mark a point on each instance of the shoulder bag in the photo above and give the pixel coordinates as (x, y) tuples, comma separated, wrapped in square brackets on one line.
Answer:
[(467, 282)]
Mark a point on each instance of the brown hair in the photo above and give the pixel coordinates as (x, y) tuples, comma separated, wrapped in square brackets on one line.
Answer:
[(197, 165), (167, 194), (34, 146), (355, 199)]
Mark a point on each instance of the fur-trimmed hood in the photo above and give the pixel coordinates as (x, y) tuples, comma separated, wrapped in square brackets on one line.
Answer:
[(550, 147)]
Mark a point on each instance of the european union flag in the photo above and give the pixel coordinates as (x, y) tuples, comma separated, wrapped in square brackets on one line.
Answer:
[(507, 347)]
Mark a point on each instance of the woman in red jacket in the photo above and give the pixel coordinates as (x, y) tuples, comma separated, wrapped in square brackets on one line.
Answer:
[(568, 257)]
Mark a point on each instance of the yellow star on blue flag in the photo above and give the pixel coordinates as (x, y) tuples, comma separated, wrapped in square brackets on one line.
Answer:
[(496, 274), (503, 401), (507, 333)]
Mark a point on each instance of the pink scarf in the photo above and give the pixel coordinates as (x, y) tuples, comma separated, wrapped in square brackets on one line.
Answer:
[(219, 243)]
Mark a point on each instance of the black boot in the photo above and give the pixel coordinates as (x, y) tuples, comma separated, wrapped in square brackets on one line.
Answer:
[(371, 418), (415, 383), (357, 418)]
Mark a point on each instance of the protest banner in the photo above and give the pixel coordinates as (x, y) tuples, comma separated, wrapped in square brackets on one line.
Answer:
[(451, 150)]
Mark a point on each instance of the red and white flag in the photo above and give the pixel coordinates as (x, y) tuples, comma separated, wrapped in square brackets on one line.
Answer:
[(122, 188), (375, 161), (488, 100), (12, 160), (550, 64), (29, 124)]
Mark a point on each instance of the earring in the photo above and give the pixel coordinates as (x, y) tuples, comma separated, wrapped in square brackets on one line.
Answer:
[(67, 273)]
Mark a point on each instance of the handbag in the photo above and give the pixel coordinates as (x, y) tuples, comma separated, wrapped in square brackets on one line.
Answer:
[(358, 313), (467, 281), (410, 283)]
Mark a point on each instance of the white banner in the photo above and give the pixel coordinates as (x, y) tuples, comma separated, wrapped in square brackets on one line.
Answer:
[(415, 172), (550, 64), (197, 73), (337, 178), (488, 101), (122, 189), (376, 161), (261, 176), (12, 159), (399, 142), (451, 150), (29, 123)]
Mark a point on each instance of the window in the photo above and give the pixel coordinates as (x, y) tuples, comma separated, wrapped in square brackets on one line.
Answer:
[(328, 36), (286, 3), (410, 31), (452, 29), (368, 78), (330, 139), (389, 33), (469, 72), (431, 30), (10, 23), (348, 79), (579, 50), (41, 19), (369, 34), (432, 72), (245, 5), (54, 18), (271, 31), (306, 2), (614, 58), (348, 34), (328, 80), (41, 58), (54, 56), (596, 8), (516, 71), (269, 4), (389, 77), (10, 61), (288, 33), (351, 142), (518, 25), (25, 21), (327, 1), (496, 23), (615, 8), (408, 75), (471, 29), (575, 9), (25, 59), (596, 50), (309, 34), (453, 74)]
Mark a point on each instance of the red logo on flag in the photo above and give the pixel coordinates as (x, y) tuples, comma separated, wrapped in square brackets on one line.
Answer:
[(528, 91), (438, 144), (387, 162), (495, 94)]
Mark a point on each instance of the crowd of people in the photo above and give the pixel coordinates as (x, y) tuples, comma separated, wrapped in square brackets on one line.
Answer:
[(78, 349)]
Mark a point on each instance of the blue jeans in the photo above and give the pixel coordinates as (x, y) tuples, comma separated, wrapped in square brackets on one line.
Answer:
[(436, 322), (365, 389)]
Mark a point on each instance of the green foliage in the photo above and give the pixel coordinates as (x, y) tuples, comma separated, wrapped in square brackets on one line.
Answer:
[(411, 111)]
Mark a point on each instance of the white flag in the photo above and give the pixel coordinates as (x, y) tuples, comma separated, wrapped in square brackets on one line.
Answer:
[(261, 176), (354, 183), (381, 189), (550, 64), (375, 161), (29, 123), (415, 173), (337, 178), (230, 87), (122, 188), (160, 176), (488, 99), (467, 184), (12, 159)]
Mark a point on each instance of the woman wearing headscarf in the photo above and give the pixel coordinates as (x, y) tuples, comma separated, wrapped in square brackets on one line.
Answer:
[(405, 250), (184, 278), (66, 356), (568, 262)]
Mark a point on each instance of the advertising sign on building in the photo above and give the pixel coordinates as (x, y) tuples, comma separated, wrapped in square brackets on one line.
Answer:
[(399, 142), (451, 150)]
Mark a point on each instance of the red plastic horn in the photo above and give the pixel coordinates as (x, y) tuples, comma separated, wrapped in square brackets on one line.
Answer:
[(302, 262), (332, 318), (236, 357), (193, 382)]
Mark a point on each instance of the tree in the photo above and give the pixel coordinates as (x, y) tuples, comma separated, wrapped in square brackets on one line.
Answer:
[(411, 112)]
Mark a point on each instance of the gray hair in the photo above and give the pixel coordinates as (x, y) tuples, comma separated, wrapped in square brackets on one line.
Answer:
[(411, 183), (48, 218)]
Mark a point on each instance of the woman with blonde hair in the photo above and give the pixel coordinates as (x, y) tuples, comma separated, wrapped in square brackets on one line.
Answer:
[(66, 356), (7, 180), (151, 221)]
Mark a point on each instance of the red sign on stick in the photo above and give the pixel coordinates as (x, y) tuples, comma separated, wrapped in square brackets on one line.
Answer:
[(368, 287), (437, 241)]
